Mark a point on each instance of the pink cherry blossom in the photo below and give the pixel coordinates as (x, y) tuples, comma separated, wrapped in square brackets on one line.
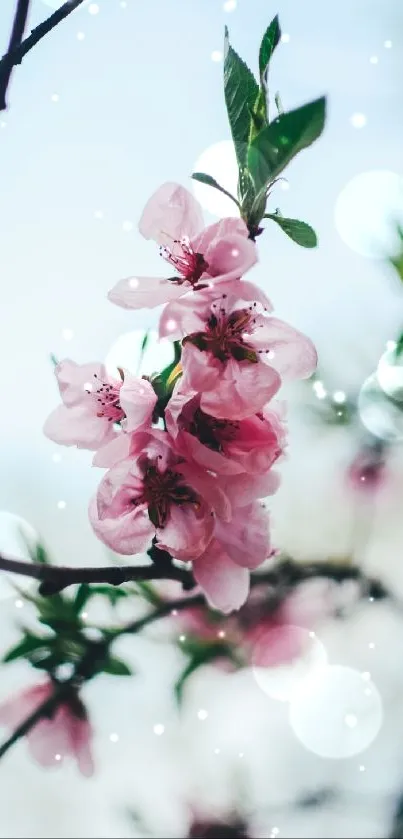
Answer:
[(221, 445), (94, 402), (65, 733), (235, 354), (158, 494), (222, 571), (218, 254)]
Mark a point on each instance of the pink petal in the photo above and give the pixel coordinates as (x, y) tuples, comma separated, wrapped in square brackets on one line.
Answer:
[(80, 733), (170, 214), (78, 426), (138, 399), (72, 379), (208, 487), (246, 537), (14, 710), (225, 584), (187, 531), (208, 458), (116, 450), (243, 489), (127, 534), (294, 356), (243, 389), (200, 370), (144, 292), (185, 315), (227, 249), (50, 737), (247, 291), (214, 233)]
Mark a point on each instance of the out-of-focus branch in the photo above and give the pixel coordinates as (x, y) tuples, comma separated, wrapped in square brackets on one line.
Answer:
[(17, 33), (18, 49), (282, 578)]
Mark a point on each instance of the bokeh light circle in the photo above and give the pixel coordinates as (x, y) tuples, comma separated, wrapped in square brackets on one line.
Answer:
[(367, 210), (378, 413), (338, 715), (390, 375), (284, 657), (219, 161)]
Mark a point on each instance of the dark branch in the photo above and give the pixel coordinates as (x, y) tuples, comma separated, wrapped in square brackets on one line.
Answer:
[(55, 578), (18, 49), (17, 33)]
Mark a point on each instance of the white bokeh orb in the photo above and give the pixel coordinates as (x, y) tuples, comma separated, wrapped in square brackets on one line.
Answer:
[(367, 210), (17, 537), (338, 715), (378, 413), (390, 375), (284, 658), (126, 352), (219, 161)]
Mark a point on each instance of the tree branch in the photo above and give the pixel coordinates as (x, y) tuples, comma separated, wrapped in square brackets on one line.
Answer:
[(55, 578), (17, 32), (18, 49), (282, 579)]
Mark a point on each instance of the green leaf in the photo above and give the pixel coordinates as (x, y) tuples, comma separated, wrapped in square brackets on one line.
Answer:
[(278, 143), (193, 665), (300, 232), (116, 667), (42, 555), (269, 42), (247, 192), (113, 593), (209, 181), (258, 115), (145, 341), (241, 92), (202, 652), (28, 644), (399, 346), (83, 594), (54, 360)]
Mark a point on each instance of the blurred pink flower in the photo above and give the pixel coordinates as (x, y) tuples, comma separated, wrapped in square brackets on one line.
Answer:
[(93, 402), (368, 469), (66, 733), (199, 257), (224, 446), (235, 354), (158, 494)]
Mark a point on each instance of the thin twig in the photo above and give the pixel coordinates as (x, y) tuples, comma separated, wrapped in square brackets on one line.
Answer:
[(17, 33), (17, 51)]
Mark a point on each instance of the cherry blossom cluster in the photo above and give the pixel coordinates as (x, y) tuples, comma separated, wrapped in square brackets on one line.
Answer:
[(189, 464)]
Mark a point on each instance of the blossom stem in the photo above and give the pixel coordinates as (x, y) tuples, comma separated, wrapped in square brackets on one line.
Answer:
[(18, 48)]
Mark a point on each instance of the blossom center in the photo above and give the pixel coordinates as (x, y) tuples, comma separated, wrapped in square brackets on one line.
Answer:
[(106, 398), (161, 490), (212, 432), (189, 264), (226, 335)]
